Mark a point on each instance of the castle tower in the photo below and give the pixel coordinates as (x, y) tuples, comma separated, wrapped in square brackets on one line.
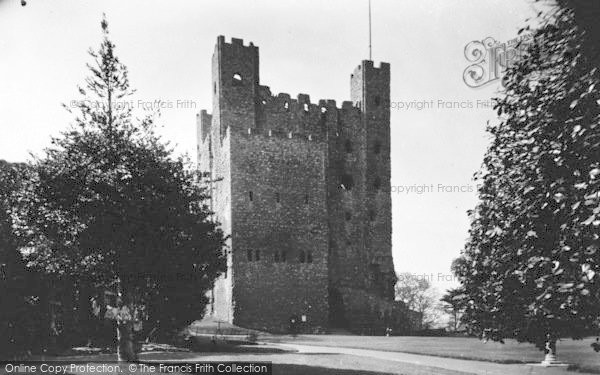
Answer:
[(361, 269), (370, 86), (293, 188)]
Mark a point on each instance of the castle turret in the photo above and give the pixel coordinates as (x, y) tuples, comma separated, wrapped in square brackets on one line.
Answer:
[(235, 84), (370, 89)]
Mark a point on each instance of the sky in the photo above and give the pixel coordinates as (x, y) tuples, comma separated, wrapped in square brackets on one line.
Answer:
[(437, 121)]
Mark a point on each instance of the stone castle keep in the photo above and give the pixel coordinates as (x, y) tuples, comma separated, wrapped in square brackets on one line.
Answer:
[(303, 190)]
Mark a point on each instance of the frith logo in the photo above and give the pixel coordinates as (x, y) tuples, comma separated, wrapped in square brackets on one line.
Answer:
[(490, 58)]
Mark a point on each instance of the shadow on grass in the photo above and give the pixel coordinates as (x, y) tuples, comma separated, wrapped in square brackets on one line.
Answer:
[(236, 348), (584, 368), (571, 367), (289, 369)]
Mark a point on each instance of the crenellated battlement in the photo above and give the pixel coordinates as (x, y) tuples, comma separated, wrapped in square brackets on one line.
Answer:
[(281, 116), (283, 102), (383, 66), (234, 41)]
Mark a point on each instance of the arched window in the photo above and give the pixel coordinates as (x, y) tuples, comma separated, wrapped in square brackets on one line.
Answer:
[(237, 79), (309, 257), (276, 256), (256, 255), (301, 256), (305, 198), (305, 107), (283, 255), (348, 216), (249, 255), (377, 101)]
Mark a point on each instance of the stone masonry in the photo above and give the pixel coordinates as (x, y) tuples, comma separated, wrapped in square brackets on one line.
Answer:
[(303, 190)]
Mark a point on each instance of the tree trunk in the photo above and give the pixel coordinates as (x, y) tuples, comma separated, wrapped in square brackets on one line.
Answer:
[(51, 344), (84, 312), (126, 349), (126, 343), (550, 352)]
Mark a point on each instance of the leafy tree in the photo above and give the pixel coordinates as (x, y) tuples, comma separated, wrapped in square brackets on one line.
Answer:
[(529, 269), (20, 307), (418, 295), (110, 203), (453, 305)]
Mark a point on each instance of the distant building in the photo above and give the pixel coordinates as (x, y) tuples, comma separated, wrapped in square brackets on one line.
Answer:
[(303, 189)]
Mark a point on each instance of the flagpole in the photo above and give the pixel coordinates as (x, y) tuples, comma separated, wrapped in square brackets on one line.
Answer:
[(370, 49)]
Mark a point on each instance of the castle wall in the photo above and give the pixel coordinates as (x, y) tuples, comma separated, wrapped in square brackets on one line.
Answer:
[(293, 178), (378, 229), (215, 133), (279, 209)]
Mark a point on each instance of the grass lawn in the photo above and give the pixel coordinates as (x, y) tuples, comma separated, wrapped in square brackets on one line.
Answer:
[(329, 364), (578, 353), (284, 363)]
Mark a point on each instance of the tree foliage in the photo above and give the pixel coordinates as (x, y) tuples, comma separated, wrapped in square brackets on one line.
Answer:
[(20, 314), (453, 305), (531, 265), (109, 202), (418, 295)]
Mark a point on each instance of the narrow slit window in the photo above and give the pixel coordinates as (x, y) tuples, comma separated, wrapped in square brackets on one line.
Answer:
[(348, 146), (377, 183), (377, 148), (251, 196), (347, 182)]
